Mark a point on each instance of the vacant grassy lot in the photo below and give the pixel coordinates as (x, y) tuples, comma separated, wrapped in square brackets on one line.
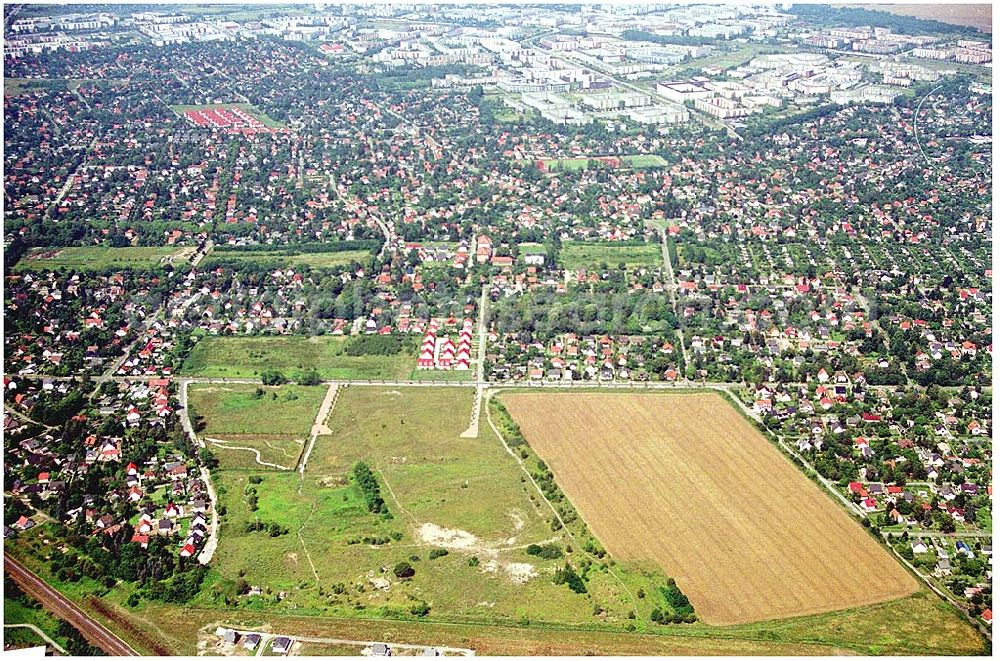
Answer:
[(15, 612), (589, 254), (311, 259), (240, 418), (684, 480), (100, 257), (443, 492), (637, 162), (246, 107), (248, 356), (15, 86), (243, 409), (442, 375)]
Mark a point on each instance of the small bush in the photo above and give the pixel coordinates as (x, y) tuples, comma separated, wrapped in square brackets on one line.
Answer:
[(547, 552), (570, 578)]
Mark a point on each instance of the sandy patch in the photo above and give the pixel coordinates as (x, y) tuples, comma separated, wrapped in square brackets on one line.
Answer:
[(519, 572), (331, 481), (518, 519), (449, 538), (378, 582)]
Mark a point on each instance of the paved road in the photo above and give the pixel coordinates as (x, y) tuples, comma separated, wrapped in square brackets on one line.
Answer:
[(934, 534), (41, 634), (625, 385), (213, 531), (382, 225), (672, 287), (158, 314), (95, 632), (17, 414), (477, 402)]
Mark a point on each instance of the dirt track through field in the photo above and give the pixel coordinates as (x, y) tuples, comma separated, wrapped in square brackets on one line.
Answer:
[(685, 481)]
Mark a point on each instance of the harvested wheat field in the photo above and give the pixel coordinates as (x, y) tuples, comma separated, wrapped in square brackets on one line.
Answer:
[(685, 481)]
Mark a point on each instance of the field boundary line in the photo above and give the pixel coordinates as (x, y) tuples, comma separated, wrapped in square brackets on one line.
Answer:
[(393, 494), (520, 462), (302, 541)]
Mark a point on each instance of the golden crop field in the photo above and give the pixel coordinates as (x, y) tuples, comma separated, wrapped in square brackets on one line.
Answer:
[(685, 481)]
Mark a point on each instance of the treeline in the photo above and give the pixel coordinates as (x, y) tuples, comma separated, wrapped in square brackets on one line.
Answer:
[(370, 488), (274, 529), (856, 17), (664, 39), (413, 74), (541, 315), (549, 551), (678, 601), (769, 128), (55, 409)]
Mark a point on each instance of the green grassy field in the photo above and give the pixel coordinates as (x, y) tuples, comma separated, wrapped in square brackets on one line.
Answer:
[(984, 519), (238, 409), (531, 248), (246, 107), (99, 257), (312, 259), (16, 86), (15, 612), (588, 254), (275, 421), (637, 162), (443, 491), (442, 375), (248, 356)]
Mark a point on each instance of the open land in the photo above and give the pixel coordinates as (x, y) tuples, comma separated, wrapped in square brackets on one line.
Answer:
[(442, 492), (311, 259), (100, 257), (586, 254), (239, 419), (636, 162), (685, 480), (15, 612), (237, 357)]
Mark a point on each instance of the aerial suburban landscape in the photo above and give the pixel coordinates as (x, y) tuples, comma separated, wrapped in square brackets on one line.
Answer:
[(454, 330)]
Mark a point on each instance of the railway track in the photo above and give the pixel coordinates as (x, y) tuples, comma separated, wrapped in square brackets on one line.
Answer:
[(95, 632)]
